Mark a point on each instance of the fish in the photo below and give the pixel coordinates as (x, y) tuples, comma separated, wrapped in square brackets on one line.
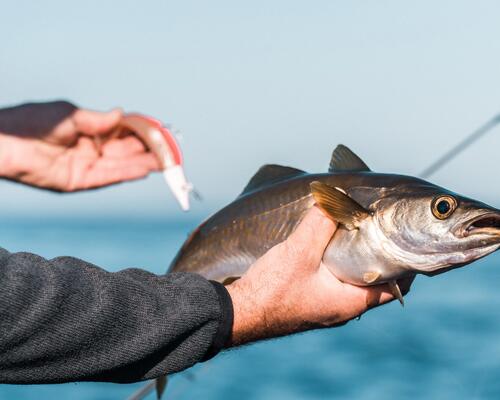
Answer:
[(391, 226)]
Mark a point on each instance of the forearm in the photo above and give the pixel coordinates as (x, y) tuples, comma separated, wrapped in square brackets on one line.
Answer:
[(67, 320)]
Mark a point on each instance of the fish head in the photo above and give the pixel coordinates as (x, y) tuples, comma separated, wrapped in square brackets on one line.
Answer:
[(431, 230)]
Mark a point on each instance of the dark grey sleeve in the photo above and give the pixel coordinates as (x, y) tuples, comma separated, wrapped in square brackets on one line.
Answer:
[(67, 320)]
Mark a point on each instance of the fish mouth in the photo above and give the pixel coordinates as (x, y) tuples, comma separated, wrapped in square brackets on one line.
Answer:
[(486, 224)]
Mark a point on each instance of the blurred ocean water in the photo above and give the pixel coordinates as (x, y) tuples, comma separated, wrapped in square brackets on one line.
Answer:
[(444, 344)]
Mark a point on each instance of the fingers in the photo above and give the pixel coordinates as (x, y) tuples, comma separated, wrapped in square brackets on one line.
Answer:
[(122, 147), (91, 122), (144, 160), (377, 295), (109, 171), (356, 300), (351, 301), (105, 178), (381, 294), (313, 233)]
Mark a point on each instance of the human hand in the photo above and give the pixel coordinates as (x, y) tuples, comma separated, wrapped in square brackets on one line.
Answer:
[(290, 290), (61, 147)]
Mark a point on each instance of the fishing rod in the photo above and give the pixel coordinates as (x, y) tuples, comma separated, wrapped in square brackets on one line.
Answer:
[(460, 147)]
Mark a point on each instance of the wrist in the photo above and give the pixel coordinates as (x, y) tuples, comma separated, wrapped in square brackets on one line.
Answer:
[(224, 330), (248, 317), (263, 312), (266, 308)]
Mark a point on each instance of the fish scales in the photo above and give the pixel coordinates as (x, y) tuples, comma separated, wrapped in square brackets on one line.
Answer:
[(390, 226)]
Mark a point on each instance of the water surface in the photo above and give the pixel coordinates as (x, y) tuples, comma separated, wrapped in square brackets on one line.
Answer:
[(444, 344)]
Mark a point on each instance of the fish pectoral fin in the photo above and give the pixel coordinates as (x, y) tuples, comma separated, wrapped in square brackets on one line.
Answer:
[(230, 279), (396, 291), (371, 276), (161, 384), (344, 160), (339, 206)]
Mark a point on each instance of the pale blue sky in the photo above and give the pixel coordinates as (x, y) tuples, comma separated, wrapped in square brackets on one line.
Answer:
[(255, 82)]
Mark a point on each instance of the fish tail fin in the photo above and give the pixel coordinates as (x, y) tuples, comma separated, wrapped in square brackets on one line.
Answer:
[(144, 391), (161, 385)]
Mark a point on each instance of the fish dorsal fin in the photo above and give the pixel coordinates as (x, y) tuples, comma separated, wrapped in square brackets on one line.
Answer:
[(338, 205), (270, 173), (344, 160)]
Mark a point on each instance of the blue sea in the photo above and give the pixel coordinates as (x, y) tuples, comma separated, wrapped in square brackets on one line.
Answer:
[(445, 343)]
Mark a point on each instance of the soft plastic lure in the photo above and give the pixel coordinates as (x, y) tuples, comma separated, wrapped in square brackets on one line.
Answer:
[(162, 143)]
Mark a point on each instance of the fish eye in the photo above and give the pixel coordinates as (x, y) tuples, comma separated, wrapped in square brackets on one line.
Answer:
[(443, 206)]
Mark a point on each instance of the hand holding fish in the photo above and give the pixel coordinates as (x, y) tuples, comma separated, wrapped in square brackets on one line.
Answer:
[(60, 147), (290, 290)]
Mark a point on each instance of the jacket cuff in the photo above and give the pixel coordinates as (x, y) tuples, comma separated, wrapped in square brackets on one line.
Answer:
[(223, 334)]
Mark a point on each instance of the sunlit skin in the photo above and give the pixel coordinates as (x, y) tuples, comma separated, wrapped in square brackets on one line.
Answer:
[(290, 290), (60, 147)]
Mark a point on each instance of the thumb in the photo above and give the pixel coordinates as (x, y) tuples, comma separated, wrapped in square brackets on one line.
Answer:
[(91, 122), (313, 233)]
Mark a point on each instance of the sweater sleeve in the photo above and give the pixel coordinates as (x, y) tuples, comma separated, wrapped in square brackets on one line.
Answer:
[(65, 320)]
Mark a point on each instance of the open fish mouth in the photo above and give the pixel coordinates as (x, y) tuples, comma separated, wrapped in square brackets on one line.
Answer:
[(488, 224)]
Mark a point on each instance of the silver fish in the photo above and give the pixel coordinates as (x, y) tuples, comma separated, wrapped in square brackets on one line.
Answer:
[(391, 226)]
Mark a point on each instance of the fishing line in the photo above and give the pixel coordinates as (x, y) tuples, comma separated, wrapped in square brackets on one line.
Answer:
[(460, 147)]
